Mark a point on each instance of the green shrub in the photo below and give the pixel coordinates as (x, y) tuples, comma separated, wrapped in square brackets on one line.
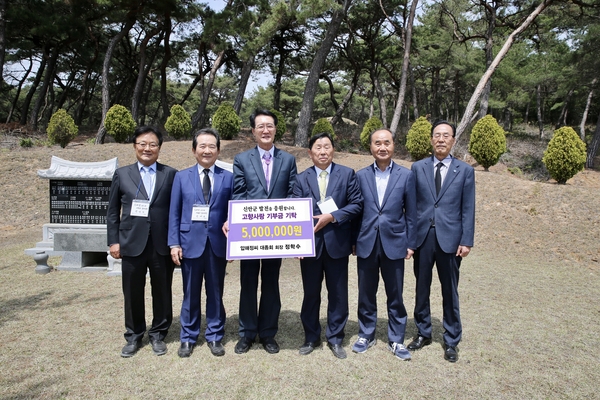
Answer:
[(370, 126), (488, 142), (565, 155), (61, 128), (226, 121), (323, 126), (119, 123), (26, 142), (418, 139), (281, 128), (179, 123)]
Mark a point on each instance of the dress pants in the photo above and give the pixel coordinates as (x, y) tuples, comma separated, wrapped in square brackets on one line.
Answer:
[(211, 269), (336, 280), (448, 265), (134, 271), (262, 320), (392, 272)]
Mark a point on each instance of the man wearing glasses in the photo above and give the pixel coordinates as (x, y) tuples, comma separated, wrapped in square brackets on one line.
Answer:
[(263, 172), (445, 232), (137, 225)]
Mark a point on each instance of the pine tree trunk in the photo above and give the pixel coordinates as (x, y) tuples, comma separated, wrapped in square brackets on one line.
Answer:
[(244, 78), (593, 147), (587, 109), (539, 109)]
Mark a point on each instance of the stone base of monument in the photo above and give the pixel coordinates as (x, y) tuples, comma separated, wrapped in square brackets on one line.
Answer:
[(82, 248)]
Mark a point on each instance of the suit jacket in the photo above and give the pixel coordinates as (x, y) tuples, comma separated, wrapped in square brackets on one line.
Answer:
[(249, 178), (394, 220), (453, 210), (132, 232), (192, 235), (343, 188)]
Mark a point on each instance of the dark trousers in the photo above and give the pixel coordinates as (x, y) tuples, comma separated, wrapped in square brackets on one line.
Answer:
[(336, 279), (134, 271), (262, 320), (211, 269), (448, 265), (392, 272)]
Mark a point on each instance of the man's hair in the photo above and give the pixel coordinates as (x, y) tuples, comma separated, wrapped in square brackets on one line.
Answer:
[(258, 112), (142, 130), (206, 131), (443, 122), (379, 130), (318, 136)]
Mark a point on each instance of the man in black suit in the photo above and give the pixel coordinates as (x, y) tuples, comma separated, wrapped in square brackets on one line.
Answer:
[(445, 234), (137, 226), (336, 201), (263, 172)]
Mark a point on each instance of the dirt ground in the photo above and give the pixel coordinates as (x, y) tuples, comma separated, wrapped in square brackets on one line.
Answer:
[(514, 214)]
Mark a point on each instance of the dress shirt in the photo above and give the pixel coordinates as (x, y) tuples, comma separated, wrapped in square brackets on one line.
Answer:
[(262, 153), (211, 176), (381, 180), (443, 170), (152, 171)]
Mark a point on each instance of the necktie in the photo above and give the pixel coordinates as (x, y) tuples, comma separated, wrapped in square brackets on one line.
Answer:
[(206, 186), (323, 184), (267, 158), (147, 179), (438, 178)]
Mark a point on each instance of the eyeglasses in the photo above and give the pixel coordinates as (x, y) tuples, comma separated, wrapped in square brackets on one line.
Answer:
[(143, 145), (207, 146), (439, 135), (269, 127)]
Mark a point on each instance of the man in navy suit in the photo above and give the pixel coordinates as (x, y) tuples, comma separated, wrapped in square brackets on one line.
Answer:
[(263, 172), (445, 231), (199, 202), (386, 237), (137, 222), (336, 201)]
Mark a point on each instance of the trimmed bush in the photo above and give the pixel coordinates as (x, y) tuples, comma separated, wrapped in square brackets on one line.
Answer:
[(179, 123), (119, 123), (61, 128), (565, 155), (418, 139), (323, 126), (226, 121), (26, 142), (281, 127), (370, 126), (488, 142)]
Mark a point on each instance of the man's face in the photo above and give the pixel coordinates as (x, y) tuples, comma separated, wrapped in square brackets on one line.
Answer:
[(264, 131), (206, 151), (382, 146), (321, 153), (146, 148), (442, 141)]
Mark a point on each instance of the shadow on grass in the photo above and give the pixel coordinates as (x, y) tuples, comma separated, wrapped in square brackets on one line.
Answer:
[(12, 307), (36, 389)]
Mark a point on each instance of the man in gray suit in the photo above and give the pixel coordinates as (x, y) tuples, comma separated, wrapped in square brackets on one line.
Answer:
[(445, 232), (386, 237), (263, 172), (137, 225)]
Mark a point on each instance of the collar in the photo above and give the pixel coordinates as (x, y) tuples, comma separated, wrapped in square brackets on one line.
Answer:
[(151, 167), (387, 170), (319, 170), (262, 152), (201, 168)]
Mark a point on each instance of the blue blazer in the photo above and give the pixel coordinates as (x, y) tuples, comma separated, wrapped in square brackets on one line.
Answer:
[(249, 177), (395, 219), (343, 188), (192, 235), (453, 210), (132, 232)]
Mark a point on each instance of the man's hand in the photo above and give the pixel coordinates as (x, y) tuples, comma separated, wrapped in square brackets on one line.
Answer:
[(225, 228), (463, 251), (176, 255), (409, 254), (115, 251), (323, 220)]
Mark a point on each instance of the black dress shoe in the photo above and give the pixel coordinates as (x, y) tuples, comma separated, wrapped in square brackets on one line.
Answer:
[(158, 347), (418, 343), (216, 348), (337, 350), (308, 347), (270, 345), (186, 349), (131, 348), (450, 353), (243, 345)]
